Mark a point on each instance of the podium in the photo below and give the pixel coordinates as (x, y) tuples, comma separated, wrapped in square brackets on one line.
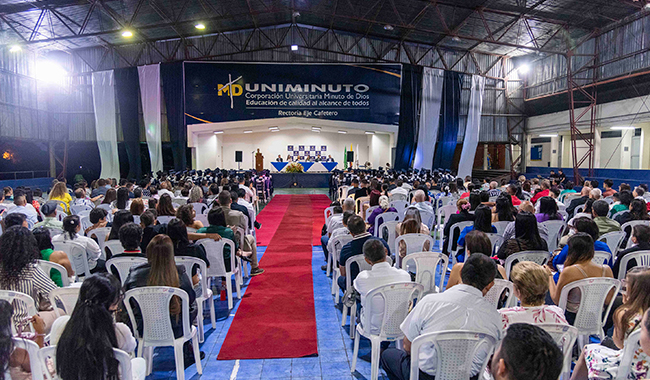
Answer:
[(259, 161)]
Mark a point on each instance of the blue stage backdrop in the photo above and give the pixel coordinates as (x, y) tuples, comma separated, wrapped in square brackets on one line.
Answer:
[(217, 92)]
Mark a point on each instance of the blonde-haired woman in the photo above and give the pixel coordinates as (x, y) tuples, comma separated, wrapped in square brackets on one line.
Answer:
[(384, 206), (196, 195), (60, 193), (530, 282)]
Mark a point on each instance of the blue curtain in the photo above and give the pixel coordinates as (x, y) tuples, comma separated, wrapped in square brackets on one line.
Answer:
[(172, 84), (127, 90), (409, 116), (448, 130)]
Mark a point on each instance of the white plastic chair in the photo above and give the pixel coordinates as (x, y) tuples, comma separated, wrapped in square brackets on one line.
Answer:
[(165, 219), (613, 240), (206, 293), (360, 261), (388, 232), (214, 252), (48, 266), (123, 265), (66, 296), (203, 218), (384, 217), (642, 258), (627, 228), (397, 197), (11, 297), (565, 215), (414, 243), (76, 209), (399, 205), (397, 297), (496, 240), (328, 212), (565, 336), (200, 208), (47, 354), (101, 234), (426, 266), (114, 247), (338, 244), (494, 295), (601, 257), (157, 330), (55, 231), (501, 227), (619, 214), (455, 350), (460, 226), (136, 219), (555, 228), (85, 222), (593, 295), (32, 351), (109, 210), (629, 352), (539, 257), (77, 256), (443, 213), (579, 209)]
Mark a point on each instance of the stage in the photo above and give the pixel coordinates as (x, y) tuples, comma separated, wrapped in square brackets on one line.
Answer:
[(304, 180)]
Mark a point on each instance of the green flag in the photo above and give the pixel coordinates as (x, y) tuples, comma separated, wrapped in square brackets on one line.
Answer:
[(345, 157)]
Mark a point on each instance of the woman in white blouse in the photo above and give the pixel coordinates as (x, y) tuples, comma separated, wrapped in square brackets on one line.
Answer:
[(71, 228)]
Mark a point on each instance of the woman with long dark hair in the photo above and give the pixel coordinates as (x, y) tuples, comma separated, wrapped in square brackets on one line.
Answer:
[(121, 218), (85, 340), (71, 228), (638, 211), (548, 210), (462, 215), (44, 242), (109, 197), (122, 198), (503, 211), (161, 270), (477, 243), (527, 237), (165, 206), (14, 362), (482, 222), (177, 231)]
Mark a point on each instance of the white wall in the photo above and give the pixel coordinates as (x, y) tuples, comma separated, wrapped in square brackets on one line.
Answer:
[(208, 147), (380, 149)]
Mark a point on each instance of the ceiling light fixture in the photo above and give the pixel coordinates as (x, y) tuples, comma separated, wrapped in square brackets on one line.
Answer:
[(388, 27), (218, 132), (647, 6), (549, 135), (15, 48), (249, 131), (200, 26), (343, 132), (127, 34), (294, 47), (49, 71), (621, 128), (455, 39), (295, 14), (370, 132), (272, 128), (523, 69)]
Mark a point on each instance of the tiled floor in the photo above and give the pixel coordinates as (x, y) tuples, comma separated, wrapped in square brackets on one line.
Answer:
[(334, 345)]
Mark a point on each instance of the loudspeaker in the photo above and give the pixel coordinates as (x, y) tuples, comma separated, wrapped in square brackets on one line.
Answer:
[(239, 156), (350, 156)]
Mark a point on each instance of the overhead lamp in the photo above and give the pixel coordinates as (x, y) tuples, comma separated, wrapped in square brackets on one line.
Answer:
[(370, 132), (294, 47), (248, 131), (218, 132), (647, 6), (15, 48), (274, 128), (200, 26), (455, 39), (295, 14), (315, 128), (388, 27), (549, 135), (49, 71), (523, 69), (343, 132), (621, 128), (127, 34)]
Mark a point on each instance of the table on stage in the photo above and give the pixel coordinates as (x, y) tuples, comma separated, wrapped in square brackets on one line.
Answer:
[(309, 167)]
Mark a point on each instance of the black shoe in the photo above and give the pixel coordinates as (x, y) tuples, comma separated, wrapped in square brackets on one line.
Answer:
[(189, 359), (258, 225), (323, 267)]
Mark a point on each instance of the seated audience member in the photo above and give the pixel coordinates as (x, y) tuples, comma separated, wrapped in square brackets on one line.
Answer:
[(8, 193), (525, 206), (476, 242), (161, 270), (165, 206), (363, 191), (638, 192), (527, 352), (217, 221), (19, 272), (177, 231), (150, 228), (98, 219), (578, 266), (599, 211), (411, 227), (109, 197), (71, 228), (420, 201), (603, 361), (122, 202), (575, 202), (237, 219), (512, 192), (580, 225), (399, 189), (568, 189), (548, 210), (234, 196), (494, 192), (241, 201), (482, 222), (587, 212), (462, 215), (607, 185), (357, 228), (530, 284), (503, 210), (638, 211), (459, 308), (484, 197), (382, 273), (384, 206), (92, 319), (526, 237), (81, 199), (375, 193), (340, 231), (641, 242), (21, 207), (121, 218), (44, 242), (412, 213), (50, 220), (196, 195), (137, 207), (474, 201), (130, 237), (186, 214), (545, 186), (334, 223), (625, 197), (644, 340), (60, 193)]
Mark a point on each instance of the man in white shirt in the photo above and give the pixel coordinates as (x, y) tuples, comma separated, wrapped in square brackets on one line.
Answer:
[(421, 203), (21, 207), (399, 189), (459, 308), (240, 200), (249, 193), (382, 273)]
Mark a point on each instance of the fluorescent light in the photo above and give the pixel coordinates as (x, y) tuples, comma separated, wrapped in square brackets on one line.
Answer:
[(370, 132), (275, 130), (127, 34), (294, 47), (343, 132), (523, 69), (49, 71), (199, 26), (549, 135), (249, 131), (272, 128), (15, 48), (620, 128), (218, 132)]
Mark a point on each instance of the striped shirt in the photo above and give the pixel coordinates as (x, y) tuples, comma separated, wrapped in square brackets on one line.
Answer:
[(35, 283)]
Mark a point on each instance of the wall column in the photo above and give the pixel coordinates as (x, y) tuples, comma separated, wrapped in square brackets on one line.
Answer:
[(626, 148)]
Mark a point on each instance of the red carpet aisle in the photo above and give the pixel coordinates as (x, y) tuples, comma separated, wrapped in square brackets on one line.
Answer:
[(276, 319), (318, 204), (270, 217)]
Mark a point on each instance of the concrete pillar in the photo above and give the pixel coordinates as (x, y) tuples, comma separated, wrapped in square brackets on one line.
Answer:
[(485, 156), (645, 143), (52, 159), (626, 148), (596, 152), (555, 148)]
